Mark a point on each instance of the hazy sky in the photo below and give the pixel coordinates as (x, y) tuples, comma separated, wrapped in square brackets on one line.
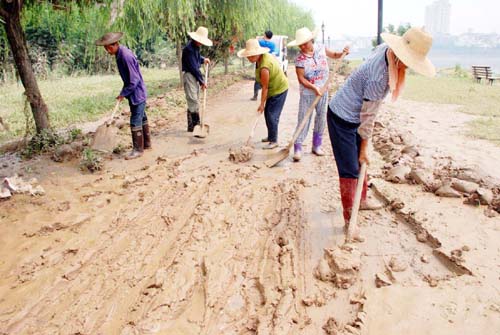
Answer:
[(359, 17)]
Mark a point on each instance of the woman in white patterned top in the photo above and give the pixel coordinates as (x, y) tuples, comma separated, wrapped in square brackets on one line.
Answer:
[(311, 66)]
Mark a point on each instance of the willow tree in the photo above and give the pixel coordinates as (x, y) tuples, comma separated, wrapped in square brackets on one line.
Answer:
[(10, 14), (172, 18)]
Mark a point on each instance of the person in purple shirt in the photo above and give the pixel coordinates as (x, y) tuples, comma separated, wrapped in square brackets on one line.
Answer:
[(134, 90)]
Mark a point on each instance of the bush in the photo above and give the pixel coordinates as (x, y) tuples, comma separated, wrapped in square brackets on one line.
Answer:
[(91, 161), (42, 142)]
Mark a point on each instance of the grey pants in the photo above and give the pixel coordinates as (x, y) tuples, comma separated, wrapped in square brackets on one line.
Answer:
[(319, 121), (192, 90)]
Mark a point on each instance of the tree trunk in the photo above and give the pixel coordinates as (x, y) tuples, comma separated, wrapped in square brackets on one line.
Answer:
[(179, 63), (19, 49)]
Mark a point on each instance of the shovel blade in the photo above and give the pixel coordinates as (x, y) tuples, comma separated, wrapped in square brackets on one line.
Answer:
[(201, 132), (278, 157), (105, 138)]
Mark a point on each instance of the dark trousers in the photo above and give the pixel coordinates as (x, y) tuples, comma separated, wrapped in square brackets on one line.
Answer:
[(346, 144), (138, 116), (272, 112)]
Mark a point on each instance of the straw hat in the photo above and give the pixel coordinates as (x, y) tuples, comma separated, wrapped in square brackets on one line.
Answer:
[(412, 49), (109, 38), (252, 48), (302, 36), (201, 35)]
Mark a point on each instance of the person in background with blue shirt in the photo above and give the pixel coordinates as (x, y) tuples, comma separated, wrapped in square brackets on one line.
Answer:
[(352, 111), (192, 77), (133, 89), (265, 43)]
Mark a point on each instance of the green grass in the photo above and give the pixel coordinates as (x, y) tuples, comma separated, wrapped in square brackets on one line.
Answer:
[(74, 100), (476, 99)]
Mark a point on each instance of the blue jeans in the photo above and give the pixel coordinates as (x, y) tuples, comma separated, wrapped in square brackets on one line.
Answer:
[(138, 116), (346, 144), (272, 112)]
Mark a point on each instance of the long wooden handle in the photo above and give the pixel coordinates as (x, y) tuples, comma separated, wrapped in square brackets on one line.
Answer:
[(202, 118), (252, 132), (323, 91), (117, 105), (357, 200)]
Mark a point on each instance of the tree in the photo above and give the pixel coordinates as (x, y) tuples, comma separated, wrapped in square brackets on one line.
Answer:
[(10, 14)]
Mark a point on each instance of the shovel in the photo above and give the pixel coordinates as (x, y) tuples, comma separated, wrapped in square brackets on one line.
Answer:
[(104, 137), (353, 222), (284, 153), (252, 132), (203, 129)]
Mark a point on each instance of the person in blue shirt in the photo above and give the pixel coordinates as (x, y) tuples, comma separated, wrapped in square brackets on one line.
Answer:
[(265, 43), (192, 77), (352, 111), (134, 90)]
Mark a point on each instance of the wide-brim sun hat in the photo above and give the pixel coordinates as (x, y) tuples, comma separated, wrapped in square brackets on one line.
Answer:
[(303, 35), (412, 49), (252, 48), (201, 35), (109, 38)]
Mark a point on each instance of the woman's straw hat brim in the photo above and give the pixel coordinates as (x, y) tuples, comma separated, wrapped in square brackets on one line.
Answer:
[(252, 48), (201, 35), (303, 35), (412, 49), (109, 38)]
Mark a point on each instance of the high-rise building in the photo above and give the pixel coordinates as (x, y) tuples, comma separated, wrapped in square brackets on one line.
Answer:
[(437, 17)]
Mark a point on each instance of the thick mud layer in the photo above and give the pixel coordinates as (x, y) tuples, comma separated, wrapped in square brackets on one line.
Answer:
[(182, 241), (241, 155)]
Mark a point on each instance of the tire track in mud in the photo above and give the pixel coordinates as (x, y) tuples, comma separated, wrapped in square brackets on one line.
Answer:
[(117, 251)]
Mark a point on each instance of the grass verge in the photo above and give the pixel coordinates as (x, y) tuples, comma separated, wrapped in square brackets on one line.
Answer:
[(476, 99), (74, 100)]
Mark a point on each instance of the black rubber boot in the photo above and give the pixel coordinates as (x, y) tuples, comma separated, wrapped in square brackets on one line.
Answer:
[(196, 119), (190, 126), (137, 142), (147, 136)]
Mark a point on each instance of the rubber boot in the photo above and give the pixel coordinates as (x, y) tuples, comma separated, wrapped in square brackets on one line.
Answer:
[(347, 194), (196, 119), (254, 98), (190, 125), (297, 152), (137, 142), (147, 136), (316, 147), (368, 204)]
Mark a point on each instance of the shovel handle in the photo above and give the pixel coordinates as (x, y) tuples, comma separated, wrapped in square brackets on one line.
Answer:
[(252, 132), (115, 109), (357, 200), (202, 117)]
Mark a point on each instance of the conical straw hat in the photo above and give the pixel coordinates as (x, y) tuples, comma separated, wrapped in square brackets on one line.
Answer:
[(412, 49), (201, 35), (109, 38), (252, 48), (302, 36)]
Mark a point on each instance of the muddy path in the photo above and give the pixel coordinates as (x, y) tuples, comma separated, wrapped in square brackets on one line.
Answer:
[(183, 241)]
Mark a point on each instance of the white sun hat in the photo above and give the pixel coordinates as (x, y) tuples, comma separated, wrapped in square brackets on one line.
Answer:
[(201, 35), (252, 48), (412, 49), (303, 35)]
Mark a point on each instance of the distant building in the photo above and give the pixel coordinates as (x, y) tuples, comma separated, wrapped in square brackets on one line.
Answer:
[(437, 17)]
